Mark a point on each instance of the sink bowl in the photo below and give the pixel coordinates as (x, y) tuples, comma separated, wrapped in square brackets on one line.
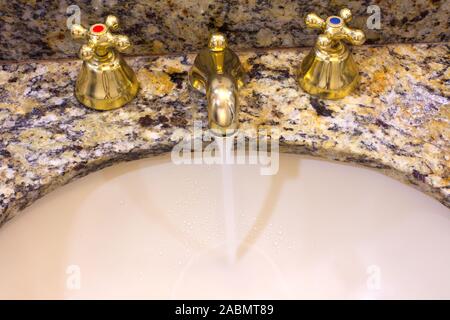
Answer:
[(152, 229)]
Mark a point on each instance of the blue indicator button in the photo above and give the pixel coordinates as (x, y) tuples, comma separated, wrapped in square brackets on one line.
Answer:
[(335, 20)]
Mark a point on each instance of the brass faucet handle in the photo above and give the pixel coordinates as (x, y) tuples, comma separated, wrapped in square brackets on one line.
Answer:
[(335, 29), (100, 39), (313, 21)]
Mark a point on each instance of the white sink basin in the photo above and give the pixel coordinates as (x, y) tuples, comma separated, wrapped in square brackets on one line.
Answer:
[(151, 229)]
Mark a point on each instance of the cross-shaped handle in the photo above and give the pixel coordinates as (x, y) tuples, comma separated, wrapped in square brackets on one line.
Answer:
[(100, 39), (335, 29)]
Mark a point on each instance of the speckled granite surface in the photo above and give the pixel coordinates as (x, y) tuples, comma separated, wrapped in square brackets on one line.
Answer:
[(37, 29), (397, 120)]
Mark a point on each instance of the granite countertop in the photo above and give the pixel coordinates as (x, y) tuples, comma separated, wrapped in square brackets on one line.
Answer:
[(161, 26), (396, 121)]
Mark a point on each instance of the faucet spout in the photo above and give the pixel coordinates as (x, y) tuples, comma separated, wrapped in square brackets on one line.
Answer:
[(217, 71), (223, 106)]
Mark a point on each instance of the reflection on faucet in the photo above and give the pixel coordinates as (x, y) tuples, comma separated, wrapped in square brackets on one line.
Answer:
[(218, 72), (222, 102)]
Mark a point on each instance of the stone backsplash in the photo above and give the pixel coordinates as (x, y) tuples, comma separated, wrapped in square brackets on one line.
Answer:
[(32, 29)]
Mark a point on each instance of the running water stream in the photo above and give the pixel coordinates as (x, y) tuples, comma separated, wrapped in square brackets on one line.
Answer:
[(225, 145)]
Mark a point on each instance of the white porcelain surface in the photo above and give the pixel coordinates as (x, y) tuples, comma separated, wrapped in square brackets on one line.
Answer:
[(151, 229)]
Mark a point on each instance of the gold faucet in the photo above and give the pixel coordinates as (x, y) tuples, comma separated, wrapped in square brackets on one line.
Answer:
[(329, 70), (105, 81), (217, 71)]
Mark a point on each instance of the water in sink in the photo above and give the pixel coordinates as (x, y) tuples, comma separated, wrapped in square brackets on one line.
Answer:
[(151, 229)]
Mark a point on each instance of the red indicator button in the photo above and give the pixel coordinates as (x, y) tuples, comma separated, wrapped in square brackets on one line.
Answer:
[(98, 28)]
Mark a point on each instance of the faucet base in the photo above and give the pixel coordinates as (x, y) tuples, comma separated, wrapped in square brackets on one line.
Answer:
[(329, 75), (106, 85)]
